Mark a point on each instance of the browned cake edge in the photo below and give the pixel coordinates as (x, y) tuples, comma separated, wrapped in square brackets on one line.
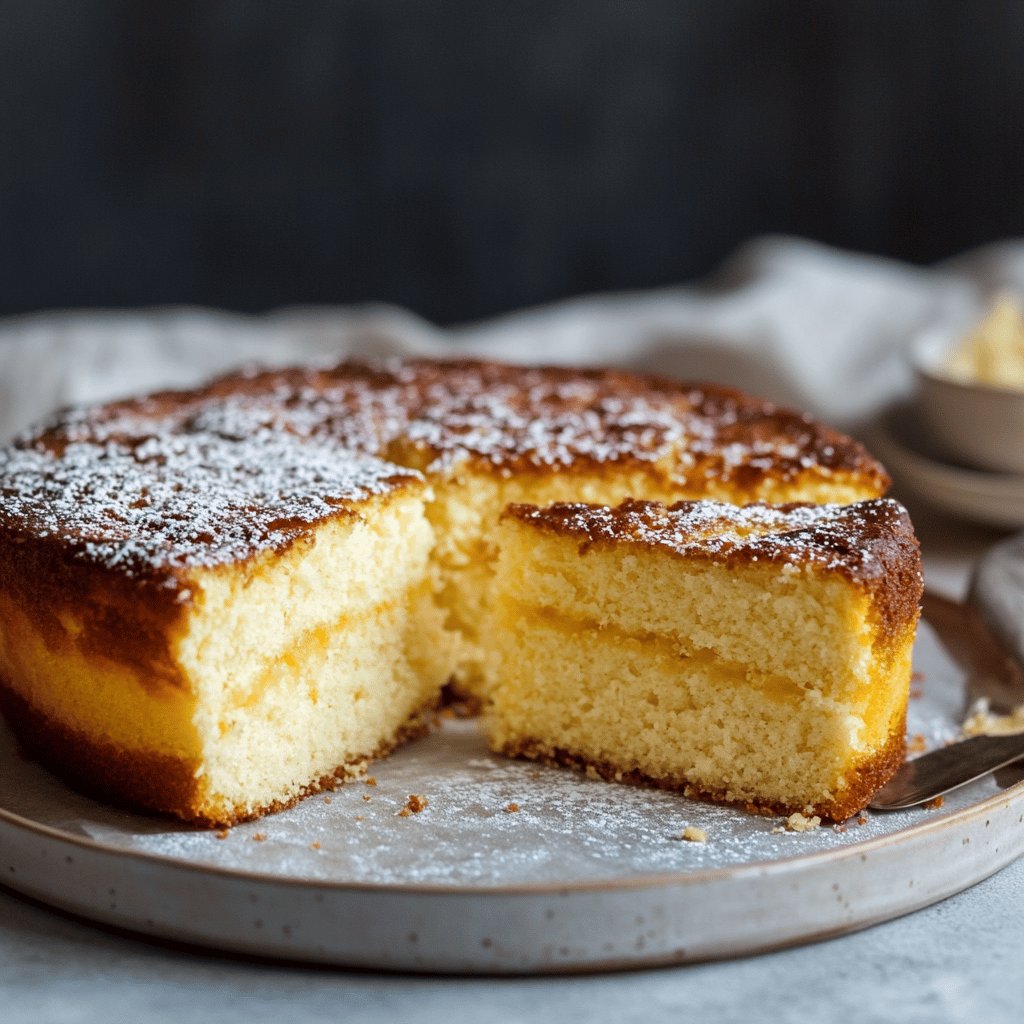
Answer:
[(139, 780), (871, 543), (134, 616), (866, 778)]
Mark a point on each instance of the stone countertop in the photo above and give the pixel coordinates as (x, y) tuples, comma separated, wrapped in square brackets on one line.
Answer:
[(956, 961)]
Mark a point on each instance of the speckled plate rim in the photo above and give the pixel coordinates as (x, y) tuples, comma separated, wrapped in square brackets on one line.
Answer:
[(644, 921), (965, 815)]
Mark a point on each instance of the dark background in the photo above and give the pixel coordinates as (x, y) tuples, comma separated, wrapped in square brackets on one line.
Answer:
[(463, 157)]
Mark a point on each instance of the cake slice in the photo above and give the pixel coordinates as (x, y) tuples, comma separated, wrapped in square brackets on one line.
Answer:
[(758, 655), (214, 628)]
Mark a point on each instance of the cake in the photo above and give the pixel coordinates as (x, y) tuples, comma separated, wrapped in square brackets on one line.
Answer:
[(216, 601), (757, 655), (227, 642)]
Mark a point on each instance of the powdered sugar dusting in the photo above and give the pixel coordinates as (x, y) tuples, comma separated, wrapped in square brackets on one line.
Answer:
[(829, 536), (184, 499), (210, 476)]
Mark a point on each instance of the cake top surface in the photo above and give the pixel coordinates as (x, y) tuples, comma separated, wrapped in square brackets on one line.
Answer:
[(181, 500), (857, 540), (506, 416), (251, 460)]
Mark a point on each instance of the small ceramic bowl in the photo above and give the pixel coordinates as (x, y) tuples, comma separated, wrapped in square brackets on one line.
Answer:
[(978, 425)]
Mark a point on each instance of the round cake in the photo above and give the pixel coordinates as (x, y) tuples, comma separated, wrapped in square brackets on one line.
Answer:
[(213, 602)]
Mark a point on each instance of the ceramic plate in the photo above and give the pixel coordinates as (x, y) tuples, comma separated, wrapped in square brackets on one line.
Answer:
[(995, 499), (584, 875)]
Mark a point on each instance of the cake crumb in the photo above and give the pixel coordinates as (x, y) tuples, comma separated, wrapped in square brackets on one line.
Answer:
[(934, 804), (511, 808), (314, 846), (327, 799), (367, 798), (258, 837), (370, 780), (222, 834), (360, 817), (798, 822), (982, 721), (862, 819), (692, 834), (840, 828), (414, 805), (917, 744)]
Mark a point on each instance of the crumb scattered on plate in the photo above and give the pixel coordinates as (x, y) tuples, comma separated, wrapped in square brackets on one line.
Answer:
[(798, 822), (414, 805), (692, 834), (982, 721), (511, 808)]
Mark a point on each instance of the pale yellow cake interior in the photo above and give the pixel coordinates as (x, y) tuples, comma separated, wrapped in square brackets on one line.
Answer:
[(468, 504), (299, 664), (765, 684), (291, 665)]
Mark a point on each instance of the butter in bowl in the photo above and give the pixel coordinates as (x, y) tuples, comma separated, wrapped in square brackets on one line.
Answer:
[(971, 392)]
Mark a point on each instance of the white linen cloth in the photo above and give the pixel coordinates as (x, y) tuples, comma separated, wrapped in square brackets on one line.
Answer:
[(791, 320)]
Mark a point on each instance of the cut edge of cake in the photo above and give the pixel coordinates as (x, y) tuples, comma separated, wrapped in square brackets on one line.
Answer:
[(757, 656), (142, 612), (227, 689)]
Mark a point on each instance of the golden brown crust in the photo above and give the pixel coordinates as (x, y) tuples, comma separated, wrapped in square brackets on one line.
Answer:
[(213, 475), (866, 779), (105, 510), (871, 543), (140, 780), (137, 778)]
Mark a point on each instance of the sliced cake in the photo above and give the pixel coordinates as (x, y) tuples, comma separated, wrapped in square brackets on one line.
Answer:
[(757, 655), (215, 631), (217, 600)]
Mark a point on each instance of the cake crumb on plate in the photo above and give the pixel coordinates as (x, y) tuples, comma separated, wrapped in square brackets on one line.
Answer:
[(414, 805), (798, 822)]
